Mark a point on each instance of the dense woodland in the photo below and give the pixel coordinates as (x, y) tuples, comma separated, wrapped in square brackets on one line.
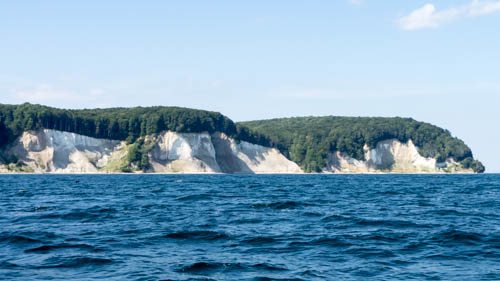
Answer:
[(304, 140), (116, 123), (308, 140)]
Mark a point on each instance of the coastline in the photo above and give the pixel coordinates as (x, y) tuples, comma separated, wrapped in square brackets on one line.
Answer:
[(142, 173)]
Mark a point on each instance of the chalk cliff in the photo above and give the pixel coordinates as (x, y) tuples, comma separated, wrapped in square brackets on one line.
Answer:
[(62, 152), (37, 138), (390, 156)]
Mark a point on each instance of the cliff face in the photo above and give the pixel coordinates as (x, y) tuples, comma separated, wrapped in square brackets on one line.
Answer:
[(56, 151), (390, 156), (189, 153), (63, 152), (244, 157)]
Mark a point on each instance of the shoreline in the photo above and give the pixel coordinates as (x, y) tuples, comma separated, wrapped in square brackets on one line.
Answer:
[(364, 173)]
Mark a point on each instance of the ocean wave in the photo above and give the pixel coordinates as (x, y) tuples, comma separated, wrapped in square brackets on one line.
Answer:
[(389, 223), (268, 267), (455, 236), (209, 267), (260, 240), (18, 239), (195, 197), (49, 248), (81, 214), (198, 235), (371, 253), (280, 205), (264, 278), (323, 241), (7, 265), (74, 262), (203, 268)]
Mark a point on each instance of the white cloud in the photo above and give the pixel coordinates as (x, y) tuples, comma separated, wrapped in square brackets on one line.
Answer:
[(429, 17), (478, 8), (355, 2)]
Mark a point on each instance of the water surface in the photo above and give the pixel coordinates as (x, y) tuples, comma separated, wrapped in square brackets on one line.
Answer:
[(250, 227)]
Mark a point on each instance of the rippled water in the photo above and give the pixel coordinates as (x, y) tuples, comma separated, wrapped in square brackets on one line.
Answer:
[(250, 227)]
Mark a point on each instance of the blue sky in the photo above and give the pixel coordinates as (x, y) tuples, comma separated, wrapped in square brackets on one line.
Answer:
[(434, 61)]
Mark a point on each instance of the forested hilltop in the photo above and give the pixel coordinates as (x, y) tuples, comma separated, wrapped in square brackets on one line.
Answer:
[(304, 140), (117, 123), (308, 140)]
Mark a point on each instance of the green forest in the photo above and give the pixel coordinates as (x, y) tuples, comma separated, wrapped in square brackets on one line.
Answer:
[(117, 123), (304, 140), (308, 140)]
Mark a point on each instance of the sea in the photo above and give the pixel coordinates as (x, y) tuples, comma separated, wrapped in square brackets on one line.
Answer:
[(250, 227)]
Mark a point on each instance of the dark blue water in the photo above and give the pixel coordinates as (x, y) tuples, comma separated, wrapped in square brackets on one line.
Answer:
[(250, 227)]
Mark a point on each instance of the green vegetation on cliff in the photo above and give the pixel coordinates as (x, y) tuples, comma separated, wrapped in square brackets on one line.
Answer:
[(116, 123), (308, 140), (304, 140)]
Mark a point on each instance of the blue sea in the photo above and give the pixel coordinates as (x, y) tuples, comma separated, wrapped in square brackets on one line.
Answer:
[(250, 227)]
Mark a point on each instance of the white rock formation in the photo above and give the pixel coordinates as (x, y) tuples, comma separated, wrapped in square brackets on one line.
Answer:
[(244, 157), (184, 152), (388, 156), (63, 152), (216, 153)]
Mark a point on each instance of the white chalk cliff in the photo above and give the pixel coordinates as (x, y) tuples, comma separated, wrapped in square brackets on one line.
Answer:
[(62, 152), (390, 156)]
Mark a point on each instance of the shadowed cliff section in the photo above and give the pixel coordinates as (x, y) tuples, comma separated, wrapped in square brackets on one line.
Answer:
[(225, 157)]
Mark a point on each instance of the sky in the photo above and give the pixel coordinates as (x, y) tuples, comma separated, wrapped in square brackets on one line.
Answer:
[(434, 61)]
